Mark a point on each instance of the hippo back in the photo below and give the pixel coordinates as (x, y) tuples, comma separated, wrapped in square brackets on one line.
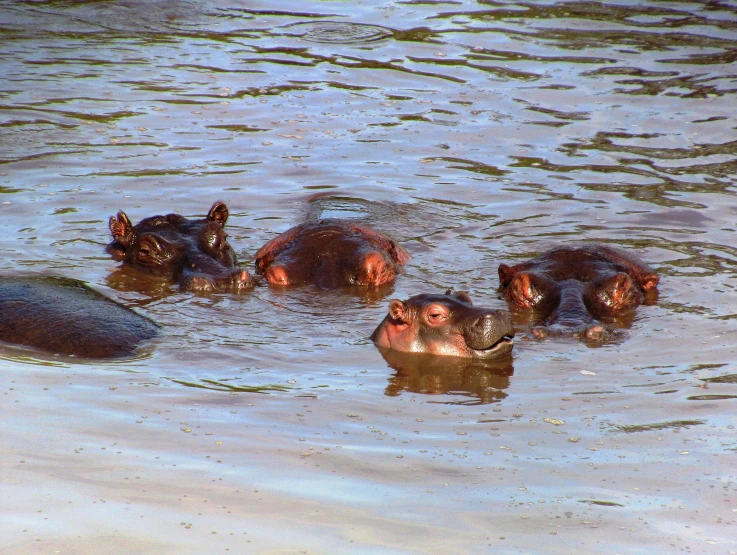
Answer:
[(64, 316)]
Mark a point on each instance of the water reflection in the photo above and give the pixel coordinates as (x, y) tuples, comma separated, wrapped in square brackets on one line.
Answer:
[(658, 426), (126, 279), (479, 382), (335, 304)]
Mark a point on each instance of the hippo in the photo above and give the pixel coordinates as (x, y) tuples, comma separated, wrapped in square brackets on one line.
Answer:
[(331, 253), (445, 325), (64, 316), (195, 253), (578, 289), (481, 382)]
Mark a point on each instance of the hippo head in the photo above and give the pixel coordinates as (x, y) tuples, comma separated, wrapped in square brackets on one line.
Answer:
[(331, 253), (579, 290), (445, 325), (194, 252)]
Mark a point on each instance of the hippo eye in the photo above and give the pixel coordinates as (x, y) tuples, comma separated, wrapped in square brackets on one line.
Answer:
[(436, 315), (151, 251), (145, 252)]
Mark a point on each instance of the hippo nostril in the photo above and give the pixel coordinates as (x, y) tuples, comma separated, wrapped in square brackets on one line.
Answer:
[(593, 333), (483, 319), (488, 321)]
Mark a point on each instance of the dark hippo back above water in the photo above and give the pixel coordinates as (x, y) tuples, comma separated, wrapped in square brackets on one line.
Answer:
[(196, 253), (64, 316)]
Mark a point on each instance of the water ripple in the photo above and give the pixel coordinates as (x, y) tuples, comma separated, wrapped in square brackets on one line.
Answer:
[(338, 32)]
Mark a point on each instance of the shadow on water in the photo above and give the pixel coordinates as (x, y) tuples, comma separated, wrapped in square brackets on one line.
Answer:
[(221, 385)]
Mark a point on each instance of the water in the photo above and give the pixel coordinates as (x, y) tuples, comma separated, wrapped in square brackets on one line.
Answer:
[(474, 134)]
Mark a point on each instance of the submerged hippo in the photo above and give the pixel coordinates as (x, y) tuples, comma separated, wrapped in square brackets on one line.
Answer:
[(446, 325), (64, 316), (574, 288), (331, 253), (196, 253)]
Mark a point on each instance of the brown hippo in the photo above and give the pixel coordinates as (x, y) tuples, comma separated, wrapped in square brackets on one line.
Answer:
[(479, 382), (446, 325), (331, 253), (196, 253), (573, 288), (64, 316)]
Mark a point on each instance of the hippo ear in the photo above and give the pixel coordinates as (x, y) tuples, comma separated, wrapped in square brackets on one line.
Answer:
[(218, 213), (529, 290), (398, 254), (122, 229), (648, 282), (448, 291), (398, 311), (506, 273), (464, 296), (619, 289)]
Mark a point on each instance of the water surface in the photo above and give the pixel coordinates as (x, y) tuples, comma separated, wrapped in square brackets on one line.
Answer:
[(474, 133)]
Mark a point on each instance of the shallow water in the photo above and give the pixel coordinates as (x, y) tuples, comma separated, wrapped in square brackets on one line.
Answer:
[(474, 134)]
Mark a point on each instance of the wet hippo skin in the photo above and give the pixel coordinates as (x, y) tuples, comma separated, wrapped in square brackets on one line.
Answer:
[(445, 325), (331, 253), (575, 288), (195, 253), (64, 316)]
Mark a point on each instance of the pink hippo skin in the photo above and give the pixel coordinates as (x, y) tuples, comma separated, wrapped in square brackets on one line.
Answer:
[(572, 288), (331, 253), (196, 253), (445, 325)]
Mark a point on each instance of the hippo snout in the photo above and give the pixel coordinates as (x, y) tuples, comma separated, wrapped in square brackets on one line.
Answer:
[(488, 330)]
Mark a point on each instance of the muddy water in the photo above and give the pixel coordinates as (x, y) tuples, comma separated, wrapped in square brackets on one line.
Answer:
[(474, 134)]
